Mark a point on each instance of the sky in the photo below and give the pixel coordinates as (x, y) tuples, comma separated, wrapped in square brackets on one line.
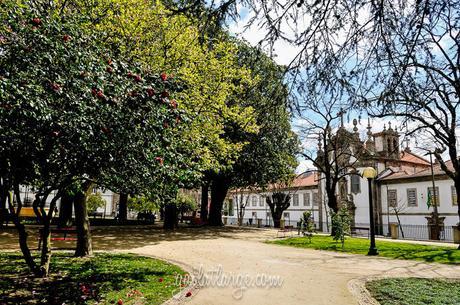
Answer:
[(283, 54)]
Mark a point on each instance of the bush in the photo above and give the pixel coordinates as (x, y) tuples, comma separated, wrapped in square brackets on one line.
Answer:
[(95, 201), (306, 224), (341, 224)]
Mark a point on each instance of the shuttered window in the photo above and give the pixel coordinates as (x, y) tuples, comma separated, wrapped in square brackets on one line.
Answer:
[(412, 197), (392, 198), (315, 199), (254, 200), (295, 200), (355, 184), (306, 199)]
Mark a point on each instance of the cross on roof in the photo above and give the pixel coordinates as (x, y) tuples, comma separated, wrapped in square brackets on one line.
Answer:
[(340, 114)]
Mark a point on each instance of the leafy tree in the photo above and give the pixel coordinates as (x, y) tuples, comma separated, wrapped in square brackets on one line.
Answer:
[(95, 201), (269, 154), (185, 204), (307, 225), (142, 204), (341, 223), (279, 200), (72, 114)]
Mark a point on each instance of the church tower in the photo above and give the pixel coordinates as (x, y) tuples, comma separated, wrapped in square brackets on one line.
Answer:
[(387, 143)]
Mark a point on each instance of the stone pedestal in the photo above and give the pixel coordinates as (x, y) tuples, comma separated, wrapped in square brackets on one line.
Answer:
[(434, 232)]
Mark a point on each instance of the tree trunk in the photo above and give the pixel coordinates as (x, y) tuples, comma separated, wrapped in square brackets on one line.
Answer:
[(219, 189), (123, 208), (84, 243), (24, 247), (65, 211), (45, 250), (204, 202), (276, 220), (170, 215), (457, 189)]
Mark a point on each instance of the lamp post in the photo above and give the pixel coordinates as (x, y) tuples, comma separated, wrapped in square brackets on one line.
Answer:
[(370, 173)]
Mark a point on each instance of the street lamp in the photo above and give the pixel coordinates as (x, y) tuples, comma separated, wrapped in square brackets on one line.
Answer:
[(370, 173)]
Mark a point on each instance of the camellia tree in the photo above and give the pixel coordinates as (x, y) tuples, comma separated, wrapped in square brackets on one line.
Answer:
[(72, 115)]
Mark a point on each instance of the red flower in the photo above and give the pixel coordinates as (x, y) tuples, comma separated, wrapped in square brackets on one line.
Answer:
[(137, 78), (134, 93), (130, 74), (165, 125), (56, 87), (173, 104), (109, 62), (36, 21), (177, 120), (163, 76), (120, 302), (66, 38), (94, 91), (165, 94), (150, 92), (188, 294), (100, 94), (160, 280), (160, 160), (109, 69)]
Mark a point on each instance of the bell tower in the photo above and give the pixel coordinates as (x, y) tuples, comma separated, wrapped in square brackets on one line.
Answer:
[(387, 143)]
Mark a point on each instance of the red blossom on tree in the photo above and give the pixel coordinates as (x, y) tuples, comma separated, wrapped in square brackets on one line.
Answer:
[(66, 38), (150, 92), (36, 21), (188, 294), (164, 76), (173, 104), (160, 160)]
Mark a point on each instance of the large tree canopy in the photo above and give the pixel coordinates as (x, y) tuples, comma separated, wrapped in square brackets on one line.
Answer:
[(73, 112)]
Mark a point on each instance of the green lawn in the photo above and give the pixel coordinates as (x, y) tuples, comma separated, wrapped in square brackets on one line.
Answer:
[(390, 249), (102, 279), (415, 291)]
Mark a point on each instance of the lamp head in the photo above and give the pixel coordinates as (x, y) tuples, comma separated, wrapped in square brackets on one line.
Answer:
[(369, 173)]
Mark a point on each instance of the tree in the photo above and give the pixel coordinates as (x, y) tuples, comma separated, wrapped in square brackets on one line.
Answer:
[(269, 154), (339, 151), (95, 201), (279, 201), (341, 224), (74, 115)]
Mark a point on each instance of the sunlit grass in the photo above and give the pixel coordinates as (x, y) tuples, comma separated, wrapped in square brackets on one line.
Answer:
[(102, 279), (400, 250)]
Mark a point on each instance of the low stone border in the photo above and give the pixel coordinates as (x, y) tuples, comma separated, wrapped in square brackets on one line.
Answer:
[(357, 287)]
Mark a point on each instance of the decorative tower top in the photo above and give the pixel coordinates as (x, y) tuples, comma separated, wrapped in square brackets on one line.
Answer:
[(355, 128)]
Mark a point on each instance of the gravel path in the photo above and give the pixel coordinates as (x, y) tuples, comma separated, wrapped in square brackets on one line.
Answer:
[(309, 276)]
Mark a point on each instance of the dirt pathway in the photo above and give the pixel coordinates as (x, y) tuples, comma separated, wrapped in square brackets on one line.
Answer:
[(309, 276)]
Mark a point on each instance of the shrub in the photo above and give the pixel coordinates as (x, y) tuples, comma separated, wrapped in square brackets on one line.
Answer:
[(341, 224)]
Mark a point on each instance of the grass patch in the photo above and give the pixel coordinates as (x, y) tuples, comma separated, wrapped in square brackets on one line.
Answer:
[(415, 291), (101, 279), (389, 249)]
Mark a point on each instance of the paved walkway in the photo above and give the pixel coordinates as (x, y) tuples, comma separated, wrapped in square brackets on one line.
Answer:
[(309, 276)]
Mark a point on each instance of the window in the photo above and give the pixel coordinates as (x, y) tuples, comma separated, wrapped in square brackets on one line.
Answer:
[(392, 198), (355, 184), (295, 200), (434, 196), (315, 199), (254, 200), (254, 214), (306, 199), (453, 193), (412, 197), (261, 201), (286, 215)]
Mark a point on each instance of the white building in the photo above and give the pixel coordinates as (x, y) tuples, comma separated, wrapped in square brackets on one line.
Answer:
[(304, 197)]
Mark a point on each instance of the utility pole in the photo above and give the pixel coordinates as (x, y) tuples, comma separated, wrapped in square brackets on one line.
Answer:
[(435, 196)]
